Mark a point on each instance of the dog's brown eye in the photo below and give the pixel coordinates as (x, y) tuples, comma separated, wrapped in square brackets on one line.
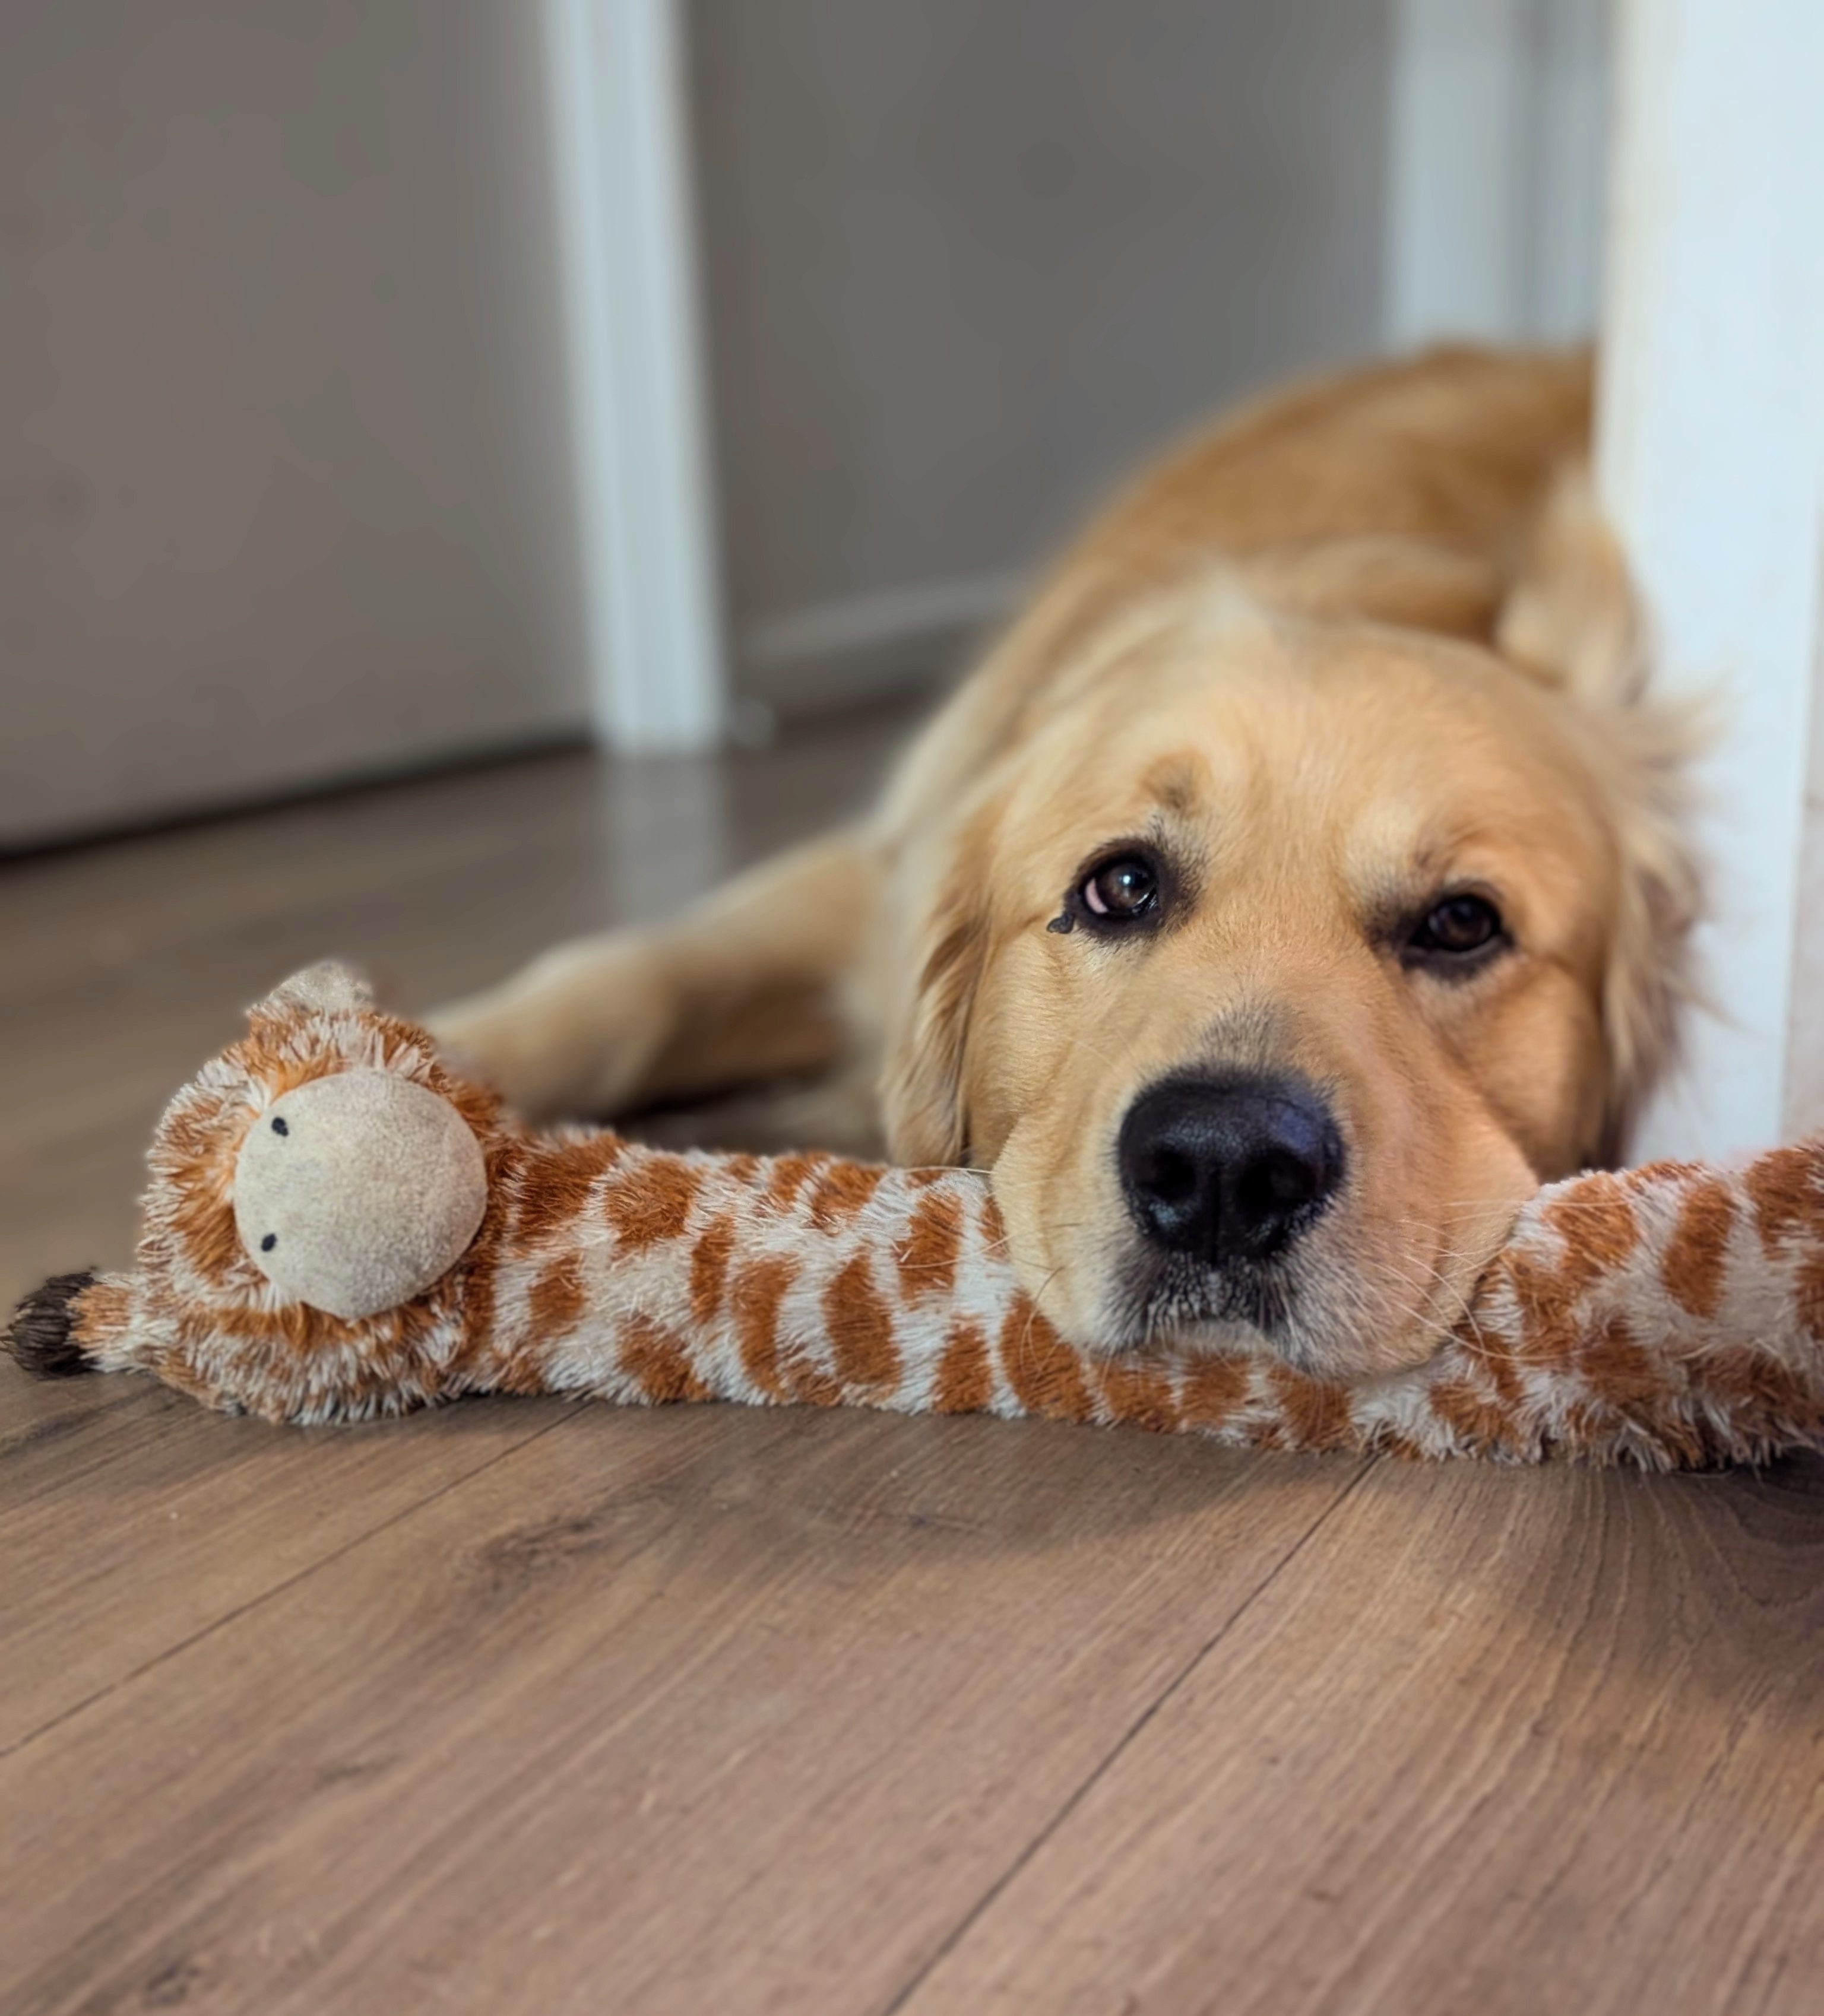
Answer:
[(1457, 927), (1120, 891)]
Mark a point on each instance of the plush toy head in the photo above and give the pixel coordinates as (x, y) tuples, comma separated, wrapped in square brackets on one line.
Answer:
[(313, 1192), (338, 1225), (355, 1193)]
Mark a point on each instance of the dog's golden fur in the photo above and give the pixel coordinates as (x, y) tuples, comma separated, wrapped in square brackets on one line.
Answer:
[(1364, 646)]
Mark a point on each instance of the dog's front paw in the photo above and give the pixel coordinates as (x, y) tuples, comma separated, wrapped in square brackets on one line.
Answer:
[(573, 1036)]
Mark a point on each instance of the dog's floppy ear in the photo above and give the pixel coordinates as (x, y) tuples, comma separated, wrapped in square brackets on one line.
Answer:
[(1649, 985), (1570, 617), (1572, 620), (921, 1090)]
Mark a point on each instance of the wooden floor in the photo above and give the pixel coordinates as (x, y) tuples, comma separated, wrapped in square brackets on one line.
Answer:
[(529, 1707)]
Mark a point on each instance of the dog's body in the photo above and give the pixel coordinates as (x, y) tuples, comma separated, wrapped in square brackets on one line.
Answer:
[(1296, 885)]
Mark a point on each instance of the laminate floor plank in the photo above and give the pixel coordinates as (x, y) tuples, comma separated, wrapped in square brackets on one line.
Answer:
[(703, 1709), (139, 1523), (1494, 1740)]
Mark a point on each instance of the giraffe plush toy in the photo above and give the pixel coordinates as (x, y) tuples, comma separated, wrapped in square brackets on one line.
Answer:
[(339, 1225)]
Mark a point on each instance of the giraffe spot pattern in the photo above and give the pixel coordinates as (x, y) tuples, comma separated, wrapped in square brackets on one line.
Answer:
[(603, 1268)]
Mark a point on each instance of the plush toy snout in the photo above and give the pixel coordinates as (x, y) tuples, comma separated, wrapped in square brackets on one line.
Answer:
[(355, 1192)]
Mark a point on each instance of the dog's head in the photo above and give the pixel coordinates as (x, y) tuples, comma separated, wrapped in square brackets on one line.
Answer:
[(1278, 963)]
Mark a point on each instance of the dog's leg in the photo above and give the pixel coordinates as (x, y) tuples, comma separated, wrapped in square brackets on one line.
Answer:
[(752, 983)]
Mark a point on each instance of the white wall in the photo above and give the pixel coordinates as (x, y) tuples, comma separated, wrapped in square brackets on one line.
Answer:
[(285, 490), (966, 263)]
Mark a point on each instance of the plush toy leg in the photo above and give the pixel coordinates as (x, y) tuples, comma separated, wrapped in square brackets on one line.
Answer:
[(88, 1323), (42, 1335)]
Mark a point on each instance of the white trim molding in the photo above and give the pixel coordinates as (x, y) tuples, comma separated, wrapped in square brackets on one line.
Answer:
[(889, 643), (645, 496), (1711, 465)]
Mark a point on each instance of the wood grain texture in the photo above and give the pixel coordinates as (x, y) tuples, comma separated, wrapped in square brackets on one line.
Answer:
[(180, 1519), (526, 1707), (1494, 1741), (690, 1710)]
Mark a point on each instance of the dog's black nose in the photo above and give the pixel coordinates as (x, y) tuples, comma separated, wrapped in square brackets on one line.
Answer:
[(1228, 1168)]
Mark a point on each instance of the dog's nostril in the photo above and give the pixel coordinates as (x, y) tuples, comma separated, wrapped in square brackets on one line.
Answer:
[(1276, 1182), (1229, 1167), (1169, 1176)]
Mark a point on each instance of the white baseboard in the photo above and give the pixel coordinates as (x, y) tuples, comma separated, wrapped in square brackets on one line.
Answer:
[(871, 646)]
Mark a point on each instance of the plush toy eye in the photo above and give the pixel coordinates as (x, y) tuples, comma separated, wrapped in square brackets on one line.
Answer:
[(1458, 928), (1121, 889)]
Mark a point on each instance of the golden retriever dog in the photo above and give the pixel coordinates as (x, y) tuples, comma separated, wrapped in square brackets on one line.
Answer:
[(1296, 884)]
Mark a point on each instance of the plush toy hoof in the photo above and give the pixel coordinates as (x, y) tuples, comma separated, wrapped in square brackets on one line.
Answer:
[(40, 1335)]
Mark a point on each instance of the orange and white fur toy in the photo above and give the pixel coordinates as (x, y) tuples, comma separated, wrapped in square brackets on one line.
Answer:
[(340, 1226)]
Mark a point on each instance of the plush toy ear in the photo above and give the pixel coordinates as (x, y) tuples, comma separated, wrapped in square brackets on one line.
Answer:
[(356, 1192), (1572, 620), (329, 985)]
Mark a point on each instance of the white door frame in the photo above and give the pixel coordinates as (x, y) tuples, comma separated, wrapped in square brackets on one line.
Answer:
[(1710, 461), (1496, 136), (652, 576)]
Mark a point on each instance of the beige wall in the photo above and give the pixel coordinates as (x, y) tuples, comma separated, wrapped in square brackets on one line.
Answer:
[(967, 259), (284, 488)]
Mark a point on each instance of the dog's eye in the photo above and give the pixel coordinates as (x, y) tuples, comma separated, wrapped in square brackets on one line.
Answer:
[(1121, 889), (1456, 928)]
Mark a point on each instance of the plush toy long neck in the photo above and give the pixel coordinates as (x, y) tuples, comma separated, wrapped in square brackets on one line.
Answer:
[(1669, 1317), (333, 1161)]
